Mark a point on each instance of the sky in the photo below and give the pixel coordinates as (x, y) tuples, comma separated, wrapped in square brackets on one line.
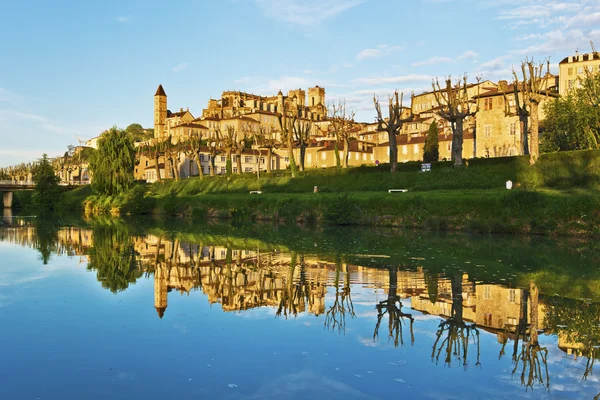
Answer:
[(71, 69)]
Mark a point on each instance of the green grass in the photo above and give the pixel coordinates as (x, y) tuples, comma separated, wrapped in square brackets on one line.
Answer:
[(558, 195)]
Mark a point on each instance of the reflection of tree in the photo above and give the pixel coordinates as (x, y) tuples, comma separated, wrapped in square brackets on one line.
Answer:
[(46, 238), (577, 325), (532, 359), (393, 308), (113, 257), (335, 317), (454, 334), (292, 293)]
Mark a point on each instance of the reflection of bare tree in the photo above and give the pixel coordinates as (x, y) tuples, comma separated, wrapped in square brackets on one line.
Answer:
[(292, 292), (392, 306), (533, 359), (335, 317), (454, 334)]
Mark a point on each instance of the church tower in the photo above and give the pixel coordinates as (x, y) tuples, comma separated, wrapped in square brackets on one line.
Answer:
[(160, 112)]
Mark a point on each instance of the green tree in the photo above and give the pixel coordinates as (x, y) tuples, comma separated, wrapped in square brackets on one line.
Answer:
[(431, 150), (137, 132), (112, 163), (573, 122), (46, 192), (113, 257)]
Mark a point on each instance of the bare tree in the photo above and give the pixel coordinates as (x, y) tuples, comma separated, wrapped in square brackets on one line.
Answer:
[(392, 306), (287, 120), (214, 149), (341, 122), (522, 111), (243, 141), (335, 317), (228, 144), (266, 138), (302, 137), (171, 152), (392, 124), (533, 88), (192, 146), (455, 106)]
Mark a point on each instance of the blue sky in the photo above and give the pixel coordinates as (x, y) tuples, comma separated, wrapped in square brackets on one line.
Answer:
[(75, 68)]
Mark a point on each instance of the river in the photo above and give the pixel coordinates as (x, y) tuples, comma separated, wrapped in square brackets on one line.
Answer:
[(123, 309)]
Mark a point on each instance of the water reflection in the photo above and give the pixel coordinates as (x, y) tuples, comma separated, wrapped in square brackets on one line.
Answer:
[(297, 282)]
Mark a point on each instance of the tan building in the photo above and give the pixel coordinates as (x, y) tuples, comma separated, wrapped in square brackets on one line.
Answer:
[(499, 131), (411, 147), (573, 69)]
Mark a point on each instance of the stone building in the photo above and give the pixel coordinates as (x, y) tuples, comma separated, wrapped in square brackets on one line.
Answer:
[(499, 131), (573, 69)]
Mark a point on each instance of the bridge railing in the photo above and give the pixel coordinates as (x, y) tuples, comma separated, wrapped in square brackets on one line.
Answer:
[(16, 183)]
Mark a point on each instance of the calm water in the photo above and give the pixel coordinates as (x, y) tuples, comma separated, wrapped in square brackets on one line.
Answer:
[(122, 310)]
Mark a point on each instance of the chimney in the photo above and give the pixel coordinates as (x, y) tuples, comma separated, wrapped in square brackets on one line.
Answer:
[(503, 86), (181, 110)]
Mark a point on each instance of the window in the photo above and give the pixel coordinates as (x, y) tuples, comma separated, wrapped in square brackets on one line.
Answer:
[(404, 150), (248, 159), (201, 157), (415, 148), (570, 71), (487, 131), (512, 295), (487, 293), (356, 155), (488, 103), (570, 84), (487, 319), (248, 169), (286, 159), (580, 70), (323, 156), (309, 158), (223, 159), (223, 170), (235, 170), (512, 128)]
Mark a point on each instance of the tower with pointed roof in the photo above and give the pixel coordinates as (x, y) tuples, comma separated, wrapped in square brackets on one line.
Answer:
[(160, 112)]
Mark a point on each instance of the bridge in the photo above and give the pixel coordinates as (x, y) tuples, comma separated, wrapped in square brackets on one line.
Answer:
[(8, 187)]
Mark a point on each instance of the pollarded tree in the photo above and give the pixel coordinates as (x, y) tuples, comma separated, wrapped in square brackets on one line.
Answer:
[(287, 121), (431, 149), (243, 141), (533, 87), (392, 124), (302, 137), (214, 149), (266, 138), (341, 122), (112, 163), (192, 146), (455, 106)]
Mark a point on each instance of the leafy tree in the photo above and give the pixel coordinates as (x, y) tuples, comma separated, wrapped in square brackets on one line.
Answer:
[(46, 192), (431, 150), (112, 163), (138, 133), (113, 257), (573, 122)]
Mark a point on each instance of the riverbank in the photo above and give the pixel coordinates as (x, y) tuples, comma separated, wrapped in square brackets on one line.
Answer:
[(557, 196)]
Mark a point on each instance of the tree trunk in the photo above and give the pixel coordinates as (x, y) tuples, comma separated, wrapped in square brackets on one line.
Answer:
[(457, 143), (347, 151), (533, 319), (238, 160), (457, 298), (228, 169), (534, 151), (269, 159), (393, 152), (212, 165), (302, 155), (157, 167), (524, 122), (291, 155), (199, 165), (336, 151), (175, 167)]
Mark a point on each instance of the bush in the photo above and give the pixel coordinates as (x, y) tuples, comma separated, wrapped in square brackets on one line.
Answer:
[(342, 210)]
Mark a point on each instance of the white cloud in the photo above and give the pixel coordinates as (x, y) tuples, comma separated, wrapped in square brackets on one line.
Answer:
[(495, 64), (123, 19), (432, 61), (380, 51), (180, 67), (382, 80), (468, 55), (305, 12)]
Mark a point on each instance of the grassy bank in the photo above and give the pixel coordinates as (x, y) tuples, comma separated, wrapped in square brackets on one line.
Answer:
[(558, 195)]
